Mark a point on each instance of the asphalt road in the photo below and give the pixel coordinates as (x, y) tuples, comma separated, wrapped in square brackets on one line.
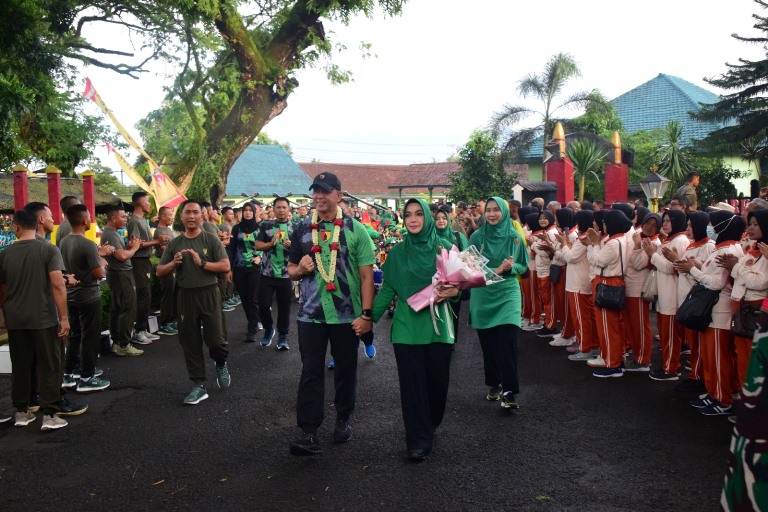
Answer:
[(578, 443)]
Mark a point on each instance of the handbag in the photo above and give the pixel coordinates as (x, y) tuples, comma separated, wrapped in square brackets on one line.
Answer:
[(650, 291), (555, 271), (696, 310), (744, 322), (611, 296)]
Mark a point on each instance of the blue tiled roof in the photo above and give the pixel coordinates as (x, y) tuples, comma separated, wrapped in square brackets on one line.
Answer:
[(662, 99), (655, 103), (266, 170)]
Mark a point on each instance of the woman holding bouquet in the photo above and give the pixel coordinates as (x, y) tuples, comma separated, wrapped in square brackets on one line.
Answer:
[(444, 231), (423, 357), (495, 310)]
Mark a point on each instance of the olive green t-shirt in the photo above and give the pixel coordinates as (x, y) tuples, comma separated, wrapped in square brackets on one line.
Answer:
[(24, 268), (139, 227), (81, 256), (65, 228), (112, 237), (160, 230), (189, 274), (211, 228)]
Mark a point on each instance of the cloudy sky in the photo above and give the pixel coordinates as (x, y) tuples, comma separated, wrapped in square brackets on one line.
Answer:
[(445, 66)]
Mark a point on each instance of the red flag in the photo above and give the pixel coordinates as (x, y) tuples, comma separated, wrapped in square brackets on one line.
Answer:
[(90, 90), (110, 149)]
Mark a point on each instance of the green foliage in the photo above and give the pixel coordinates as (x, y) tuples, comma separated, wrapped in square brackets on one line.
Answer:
[(716, 183), (546, 88), (600, 118), (588, 162), (673, 158), (743, 113), (105, 181), (482, 174)]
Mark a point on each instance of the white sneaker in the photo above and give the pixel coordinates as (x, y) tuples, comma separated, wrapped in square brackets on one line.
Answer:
[(525, 323), (53, 422), (533, 327), (140, 339), (23, 418), (596, 362), (559, 341), (149, 335)]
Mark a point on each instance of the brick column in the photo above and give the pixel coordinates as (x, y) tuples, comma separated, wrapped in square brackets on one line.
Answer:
[(20, 187), (616, 183), (561, 172), (89, 200)]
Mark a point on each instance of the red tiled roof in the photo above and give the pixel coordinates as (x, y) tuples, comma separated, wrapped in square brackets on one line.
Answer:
[(436, 174), (360, 179)]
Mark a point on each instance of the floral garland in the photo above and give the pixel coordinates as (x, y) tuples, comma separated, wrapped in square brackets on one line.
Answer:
[(329, 276)]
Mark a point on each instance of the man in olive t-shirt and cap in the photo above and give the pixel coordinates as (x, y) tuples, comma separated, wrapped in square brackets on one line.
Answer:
[(198, 257), (333, 257), (34, 302), (167, 319)]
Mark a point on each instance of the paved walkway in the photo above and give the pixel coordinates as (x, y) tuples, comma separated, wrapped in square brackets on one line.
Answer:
[(578, 443)]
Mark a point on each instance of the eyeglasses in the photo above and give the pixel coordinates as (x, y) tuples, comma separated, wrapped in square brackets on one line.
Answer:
[(674, 204)]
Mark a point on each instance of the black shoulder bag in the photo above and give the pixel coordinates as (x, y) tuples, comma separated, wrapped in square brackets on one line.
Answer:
[(696, 310), (611, 296)]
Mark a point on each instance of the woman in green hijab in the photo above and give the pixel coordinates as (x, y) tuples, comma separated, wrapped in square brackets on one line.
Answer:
[(423, 356), (444, 230), (495, 310)]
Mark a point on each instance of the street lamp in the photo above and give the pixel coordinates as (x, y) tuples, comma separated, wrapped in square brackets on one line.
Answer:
[(654, 187)]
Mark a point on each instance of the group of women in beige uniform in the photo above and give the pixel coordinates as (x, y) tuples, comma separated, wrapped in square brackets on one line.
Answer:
[(657, 259)]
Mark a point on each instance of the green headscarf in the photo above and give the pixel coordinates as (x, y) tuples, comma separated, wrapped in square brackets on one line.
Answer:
[(447, 233), (411, 263), (494, 241)]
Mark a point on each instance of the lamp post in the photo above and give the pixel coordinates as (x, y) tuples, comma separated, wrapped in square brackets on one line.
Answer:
[(654, 187)]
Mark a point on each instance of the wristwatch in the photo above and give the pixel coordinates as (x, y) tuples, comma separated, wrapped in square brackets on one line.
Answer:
[(368, 313), (203, 261)]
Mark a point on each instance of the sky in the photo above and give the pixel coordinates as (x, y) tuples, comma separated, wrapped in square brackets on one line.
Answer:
[(442, 68)]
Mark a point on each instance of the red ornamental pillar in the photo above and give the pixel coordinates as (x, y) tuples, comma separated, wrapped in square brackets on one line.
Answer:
[(20, 187), (616, 183), (89, 200), (561, 172), (53, 174)]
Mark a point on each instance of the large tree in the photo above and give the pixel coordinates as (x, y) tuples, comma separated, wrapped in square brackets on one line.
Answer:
[(236, 61), (546, 87), (482, 172), (744, 112)]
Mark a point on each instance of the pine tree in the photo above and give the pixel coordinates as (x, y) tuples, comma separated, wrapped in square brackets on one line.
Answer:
[(744, 112)]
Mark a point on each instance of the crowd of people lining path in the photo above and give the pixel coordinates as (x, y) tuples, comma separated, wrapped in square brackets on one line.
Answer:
[(586, 276)]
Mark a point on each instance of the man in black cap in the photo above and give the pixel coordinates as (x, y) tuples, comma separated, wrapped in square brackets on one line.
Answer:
[(332, 254)]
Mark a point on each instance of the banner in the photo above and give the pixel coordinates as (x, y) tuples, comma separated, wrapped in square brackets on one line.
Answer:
[(165, 192)]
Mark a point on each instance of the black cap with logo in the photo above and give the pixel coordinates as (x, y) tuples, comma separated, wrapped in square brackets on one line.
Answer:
[(326, 181)]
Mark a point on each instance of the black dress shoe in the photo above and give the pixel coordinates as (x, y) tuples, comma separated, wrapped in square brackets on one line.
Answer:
[(308, 444), (417, 455), (343, 432)]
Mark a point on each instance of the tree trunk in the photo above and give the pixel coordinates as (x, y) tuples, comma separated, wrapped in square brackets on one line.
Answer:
[(582, 184)]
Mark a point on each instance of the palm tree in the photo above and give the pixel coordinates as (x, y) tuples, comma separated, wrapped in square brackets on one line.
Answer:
[(754, 149), (546, 87), (673, 156), (588, 158)]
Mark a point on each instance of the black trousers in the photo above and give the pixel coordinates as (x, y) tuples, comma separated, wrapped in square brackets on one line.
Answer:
[(313, 343), (84, 337), (499, 346), (167, 299), (36, 353), (201, 307), (247, 285), (281, 288), (122, 307), (142, 268), (424, 372)]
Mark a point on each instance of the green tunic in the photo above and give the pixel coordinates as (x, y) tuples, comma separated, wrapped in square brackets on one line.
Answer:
[(499, 303), (746, 479), (409, 268)]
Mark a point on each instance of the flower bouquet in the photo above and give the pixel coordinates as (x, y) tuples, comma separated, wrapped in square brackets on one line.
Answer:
[(461, 269)]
